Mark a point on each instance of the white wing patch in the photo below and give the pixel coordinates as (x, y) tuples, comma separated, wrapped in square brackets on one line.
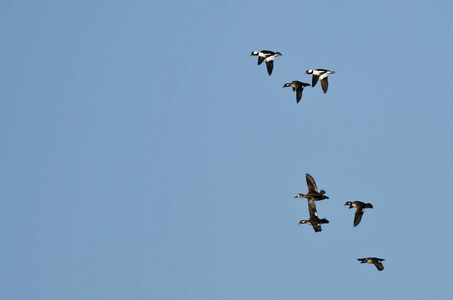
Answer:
[(323, 76), (270, 58)]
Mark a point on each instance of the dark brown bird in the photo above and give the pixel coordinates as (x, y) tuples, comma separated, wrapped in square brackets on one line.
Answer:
[(359, 211), (312, 190), (373, 260), (314, 220), (298, 87)]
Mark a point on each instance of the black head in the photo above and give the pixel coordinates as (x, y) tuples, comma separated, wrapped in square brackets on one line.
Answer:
[(287, 85)]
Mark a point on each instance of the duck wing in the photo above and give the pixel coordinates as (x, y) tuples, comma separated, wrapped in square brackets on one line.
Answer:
[(324, 82), (270, 64), (260, 59), (312, 209), (314, 80), (378, 265), (311, 184), (358, 215), (299, 91)]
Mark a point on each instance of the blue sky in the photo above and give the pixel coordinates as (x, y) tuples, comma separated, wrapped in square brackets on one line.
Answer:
[(147, 156)]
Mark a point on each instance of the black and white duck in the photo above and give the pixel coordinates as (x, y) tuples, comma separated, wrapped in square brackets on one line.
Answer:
[(268, 56), (320, 74)]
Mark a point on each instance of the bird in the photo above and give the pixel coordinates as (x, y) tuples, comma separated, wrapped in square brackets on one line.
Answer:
[(298, 87), (314, 220), (312, 190), (373, 260), (322, 75), (359, 211), (268, 56)]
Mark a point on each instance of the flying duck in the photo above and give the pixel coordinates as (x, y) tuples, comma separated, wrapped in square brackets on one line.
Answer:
[(373, 260), (322, 75), (268, 56), (298, 87), (360, 209), (312, 190), (314, 220)]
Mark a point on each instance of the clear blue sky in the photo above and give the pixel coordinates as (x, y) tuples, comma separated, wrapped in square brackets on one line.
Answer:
[(145, 155)]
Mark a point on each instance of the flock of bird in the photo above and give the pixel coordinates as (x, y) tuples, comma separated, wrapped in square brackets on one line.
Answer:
[(298, 86), (313, 193)]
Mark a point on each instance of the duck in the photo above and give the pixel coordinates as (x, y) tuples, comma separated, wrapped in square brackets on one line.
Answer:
[(322, 75), (314, 220), (312, 190), (268, 56), (298, 87), (373, 260), (359, 211)]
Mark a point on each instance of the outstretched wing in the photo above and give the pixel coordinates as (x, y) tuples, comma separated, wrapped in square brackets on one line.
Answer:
[(299, 94), (358, 215), (311, 183), (270, 64), (314, 80), (260, 59), (324, 82), (379, 265), (312, 209)]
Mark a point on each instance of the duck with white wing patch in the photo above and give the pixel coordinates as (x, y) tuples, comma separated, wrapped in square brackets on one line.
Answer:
[(320, 74), (268, 56)]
